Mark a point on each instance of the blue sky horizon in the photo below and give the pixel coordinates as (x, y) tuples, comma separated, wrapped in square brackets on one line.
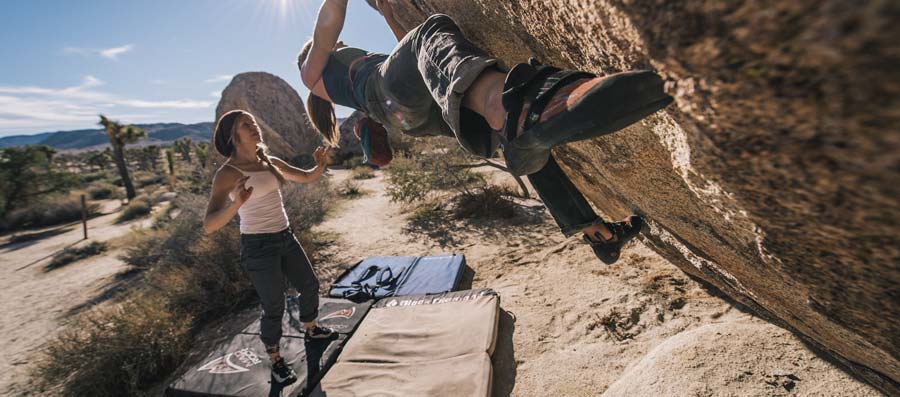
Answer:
[(147, 62)]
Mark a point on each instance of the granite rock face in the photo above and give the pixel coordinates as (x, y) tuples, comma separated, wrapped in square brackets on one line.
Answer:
[(775, 175), (278, 109)]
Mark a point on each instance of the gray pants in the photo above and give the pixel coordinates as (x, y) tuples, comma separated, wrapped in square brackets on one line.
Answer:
[(270, 259), (418, 91)]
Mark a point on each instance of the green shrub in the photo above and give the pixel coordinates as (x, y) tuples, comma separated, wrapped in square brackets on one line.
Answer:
[(362, 173), (103, 190), (416, 178), (115, 352), (72, 254), (137, 208), (54, 211)]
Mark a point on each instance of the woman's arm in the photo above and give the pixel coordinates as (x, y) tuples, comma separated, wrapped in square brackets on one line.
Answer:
[(329, 24), (295, 174), (386, 10), (219, 211)]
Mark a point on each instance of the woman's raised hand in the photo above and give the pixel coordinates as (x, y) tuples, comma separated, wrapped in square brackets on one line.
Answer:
[(241, 192), (321, 156)]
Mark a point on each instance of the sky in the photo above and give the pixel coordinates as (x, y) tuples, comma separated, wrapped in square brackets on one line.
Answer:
[(64, 62)]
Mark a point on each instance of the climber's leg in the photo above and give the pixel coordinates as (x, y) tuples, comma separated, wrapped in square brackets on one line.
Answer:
[(538, 107), (573, 214)]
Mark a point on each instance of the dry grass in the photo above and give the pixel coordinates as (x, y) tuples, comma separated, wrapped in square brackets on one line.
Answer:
[(362, 172), (188, 279), (53, 211), (73, 254), (138, 207)]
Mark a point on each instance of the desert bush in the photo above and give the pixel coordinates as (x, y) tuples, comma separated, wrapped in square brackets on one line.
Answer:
[(94, 176), (349, 188), (306, 205), (362, 172), (417, 177), (72, 254), (102, 190), (115, 352), (54, 211), (427, 212), (138, 207), (486, 202)]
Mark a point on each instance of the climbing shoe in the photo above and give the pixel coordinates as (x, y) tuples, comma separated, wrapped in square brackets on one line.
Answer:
[(282, 373), (608, 250), (318, 332), (547, 106)]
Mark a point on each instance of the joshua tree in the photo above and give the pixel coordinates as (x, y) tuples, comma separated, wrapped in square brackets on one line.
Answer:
[(201, 150), (119, 135), (183, 146), (170, 160), (98, 159), (152, 153)]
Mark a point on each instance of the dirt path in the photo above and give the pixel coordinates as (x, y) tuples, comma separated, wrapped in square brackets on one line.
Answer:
[(572, 327), (36, 303)]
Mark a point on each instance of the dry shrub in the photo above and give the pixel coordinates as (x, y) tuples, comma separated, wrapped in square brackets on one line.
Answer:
[(102, 190), (53, 211), (431, 168), (116, 351), (487, 202), (306, 205), (72, 254), (349, 188), (136, 208), (362, 172)]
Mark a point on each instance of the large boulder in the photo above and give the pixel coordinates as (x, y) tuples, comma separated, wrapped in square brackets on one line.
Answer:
[(774, 176), (278, 109)]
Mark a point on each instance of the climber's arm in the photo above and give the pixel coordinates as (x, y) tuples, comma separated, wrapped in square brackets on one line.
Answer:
[(329, 24), (386, 10)]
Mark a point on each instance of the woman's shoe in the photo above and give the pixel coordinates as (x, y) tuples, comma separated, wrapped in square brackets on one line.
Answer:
[(548, 106), (609, 250), (282, 373)]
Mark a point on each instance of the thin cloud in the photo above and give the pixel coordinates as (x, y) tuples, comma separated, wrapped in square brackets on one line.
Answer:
[(108, 53), (215, 94), (113, 53), (24, 108), (220, 78)]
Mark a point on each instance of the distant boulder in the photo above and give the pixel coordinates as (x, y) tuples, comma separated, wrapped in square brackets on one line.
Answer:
[(278, 110), (349, 143)]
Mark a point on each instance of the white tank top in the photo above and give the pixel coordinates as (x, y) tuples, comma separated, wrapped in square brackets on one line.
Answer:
[(264, 211)]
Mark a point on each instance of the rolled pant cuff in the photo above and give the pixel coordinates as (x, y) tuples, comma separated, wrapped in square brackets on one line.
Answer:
[(571, 230), (463, 77), (309, 317)]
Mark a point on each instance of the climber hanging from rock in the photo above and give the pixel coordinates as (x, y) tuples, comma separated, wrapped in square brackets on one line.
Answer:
[(436, 82)]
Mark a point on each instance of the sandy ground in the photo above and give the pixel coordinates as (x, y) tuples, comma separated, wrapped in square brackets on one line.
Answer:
[(570, 326), (574, 327), (35, 303)]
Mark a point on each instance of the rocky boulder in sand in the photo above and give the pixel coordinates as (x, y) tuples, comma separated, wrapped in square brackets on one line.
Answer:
[(774, 176), (278, 110)]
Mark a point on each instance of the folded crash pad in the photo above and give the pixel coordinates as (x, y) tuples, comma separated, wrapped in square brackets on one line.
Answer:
[(382, 276), (426, 327), (420, 345), (241, 366), (468, 375)]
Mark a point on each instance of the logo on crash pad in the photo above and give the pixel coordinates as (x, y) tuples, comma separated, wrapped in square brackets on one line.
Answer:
[(232, 363), (343, 313)]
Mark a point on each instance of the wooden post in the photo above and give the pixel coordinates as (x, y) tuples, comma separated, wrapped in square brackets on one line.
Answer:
[(84, 216)]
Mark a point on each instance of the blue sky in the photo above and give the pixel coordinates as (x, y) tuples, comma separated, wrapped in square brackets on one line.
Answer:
[(151, 61)]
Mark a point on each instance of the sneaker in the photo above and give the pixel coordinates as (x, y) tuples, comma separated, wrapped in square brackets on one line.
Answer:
[(608, 250), (319, 332), (547, 106), (282, 373)]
